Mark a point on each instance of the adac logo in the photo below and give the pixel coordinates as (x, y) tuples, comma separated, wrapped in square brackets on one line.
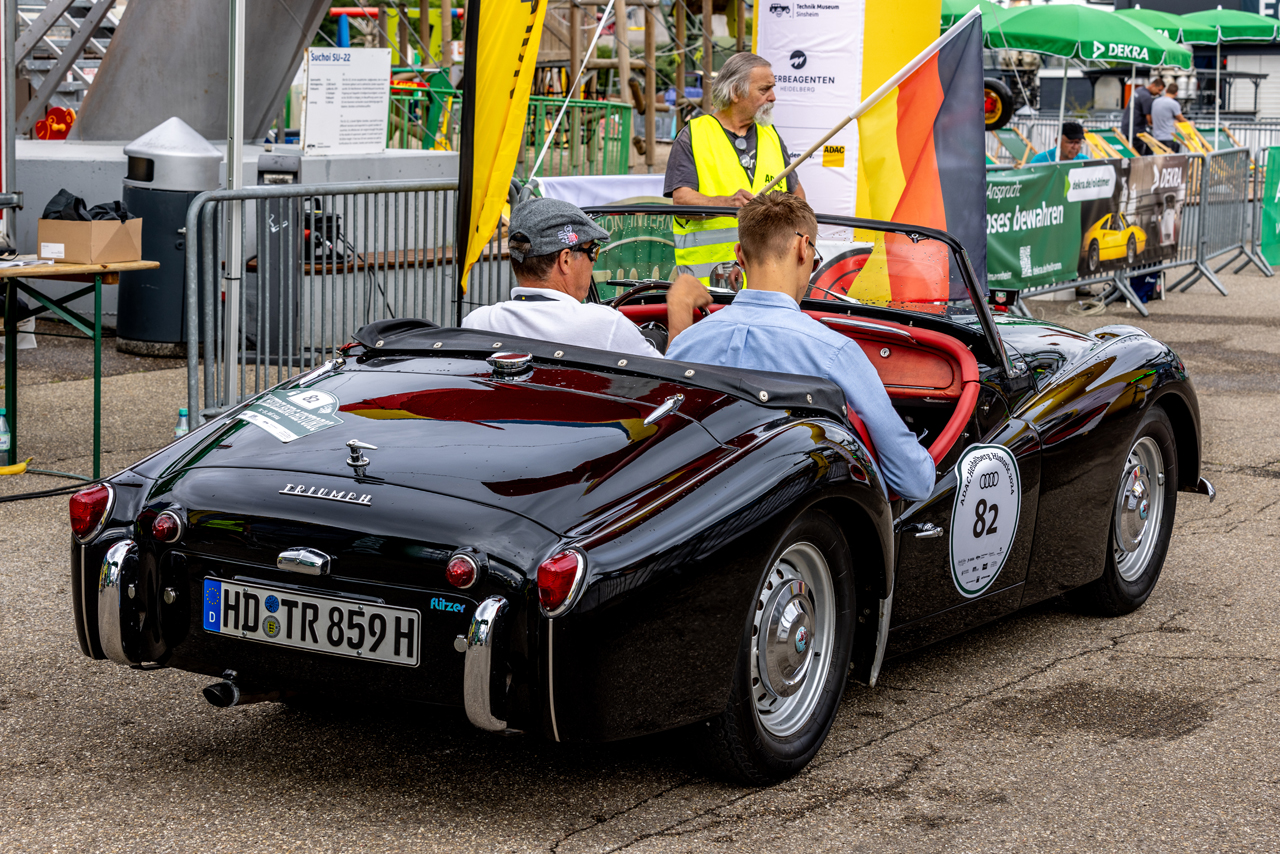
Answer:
[(567, 236), (798, 59), (780, 10)]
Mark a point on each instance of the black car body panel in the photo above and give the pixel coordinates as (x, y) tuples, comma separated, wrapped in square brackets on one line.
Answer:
[(671, 480)]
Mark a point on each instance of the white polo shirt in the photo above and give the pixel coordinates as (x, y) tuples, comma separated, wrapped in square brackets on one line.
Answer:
[(550, 315)]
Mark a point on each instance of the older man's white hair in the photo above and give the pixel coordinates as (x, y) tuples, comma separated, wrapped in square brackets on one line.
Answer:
[(734, 79)]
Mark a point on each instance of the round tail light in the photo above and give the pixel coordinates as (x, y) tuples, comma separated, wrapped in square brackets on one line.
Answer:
[(89, 510), (167, 527), (461, 571), (558, 579)]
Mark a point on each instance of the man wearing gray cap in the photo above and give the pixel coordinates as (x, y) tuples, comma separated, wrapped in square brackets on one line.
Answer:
[(553, 247)]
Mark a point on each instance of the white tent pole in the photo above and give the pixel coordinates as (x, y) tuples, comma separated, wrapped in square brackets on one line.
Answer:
[(1217, 91), (1062, 108), (235, 181)]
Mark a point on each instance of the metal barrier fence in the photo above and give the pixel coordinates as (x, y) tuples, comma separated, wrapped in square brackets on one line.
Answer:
[(318, 262), (1220, 216), (594, 137)]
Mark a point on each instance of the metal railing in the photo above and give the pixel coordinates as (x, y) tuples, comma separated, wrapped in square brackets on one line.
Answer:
[(1221, 216), (320, 261), (594, 137)]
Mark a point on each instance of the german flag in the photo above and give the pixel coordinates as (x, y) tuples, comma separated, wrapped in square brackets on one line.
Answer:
[(921, 152)]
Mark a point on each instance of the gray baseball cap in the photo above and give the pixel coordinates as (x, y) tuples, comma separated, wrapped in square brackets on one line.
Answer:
[(550, 225)]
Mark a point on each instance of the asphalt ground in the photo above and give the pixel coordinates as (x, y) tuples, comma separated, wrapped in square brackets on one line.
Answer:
[(1044, 731)]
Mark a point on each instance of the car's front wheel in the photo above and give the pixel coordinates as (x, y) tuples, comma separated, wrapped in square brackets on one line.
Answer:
[(1145, 501), (793, 659)]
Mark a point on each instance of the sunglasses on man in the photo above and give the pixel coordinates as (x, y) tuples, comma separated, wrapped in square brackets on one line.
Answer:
[(591, 250)]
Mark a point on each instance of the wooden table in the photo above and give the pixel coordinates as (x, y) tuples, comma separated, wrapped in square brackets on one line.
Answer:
[(94, 276)]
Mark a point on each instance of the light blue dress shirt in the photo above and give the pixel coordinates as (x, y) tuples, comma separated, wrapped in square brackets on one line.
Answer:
[(767, 331)]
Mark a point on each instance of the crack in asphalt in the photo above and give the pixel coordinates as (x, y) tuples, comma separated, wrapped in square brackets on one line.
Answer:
[(831, 796), (1251, 471)]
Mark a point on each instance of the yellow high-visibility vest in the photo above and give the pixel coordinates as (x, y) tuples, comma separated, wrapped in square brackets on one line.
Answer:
[(701, 243)]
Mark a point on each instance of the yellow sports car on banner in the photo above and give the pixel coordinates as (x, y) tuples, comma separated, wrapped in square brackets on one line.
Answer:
[(1110, 239)]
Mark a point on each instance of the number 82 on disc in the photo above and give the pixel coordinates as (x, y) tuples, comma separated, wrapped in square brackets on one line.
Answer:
[(984, 518)]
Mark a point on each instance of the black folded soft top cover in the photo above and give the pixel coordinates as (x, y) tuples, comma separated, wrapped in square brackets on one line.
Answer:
[(764, 388)]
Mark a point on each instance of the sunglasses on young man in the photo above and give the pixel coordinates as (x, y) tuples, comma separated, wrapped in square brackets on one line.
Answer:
[(817, 256)]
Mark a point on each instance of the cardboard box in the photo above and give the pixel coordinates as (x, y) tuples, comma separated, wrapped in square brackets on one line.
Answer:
[(104, 241)]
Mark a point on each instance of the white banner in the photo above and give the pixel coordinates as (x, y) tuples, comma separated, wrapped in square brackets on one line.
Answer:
[(816, 52), (344, 105)]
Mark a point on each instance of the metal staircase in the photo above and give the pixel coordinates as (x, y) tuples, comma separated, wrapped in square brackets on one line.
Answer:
[(59, 46)]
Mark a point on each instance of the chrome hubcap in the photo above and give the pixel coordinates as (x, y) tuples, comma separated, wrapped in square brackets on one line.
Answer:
[(1139, 508), (792, 635)]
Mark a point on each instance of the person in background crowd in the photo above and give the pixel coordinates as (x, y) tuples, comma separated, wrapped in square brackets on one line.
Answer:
[(1070, 146), (724, 160), (765, 330), (553, 247), (1141, 110), (1165, 115)]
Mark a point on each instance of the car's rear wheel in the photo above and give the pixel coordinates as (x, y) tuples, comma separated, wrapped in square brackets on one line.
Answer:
[(1095, 256), (1141, 522), (792, 661), (1131, 249)]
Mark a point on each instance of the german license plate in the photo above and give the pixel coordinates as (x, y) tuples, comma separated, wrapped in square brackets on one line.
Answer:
[(315, 623)]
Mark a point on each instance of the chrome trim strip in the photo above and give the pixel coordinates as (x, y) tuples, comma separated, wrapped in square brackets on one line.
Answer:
[(478, 665), (84, 598), (111, 590), (551, 679), (305, 561), (870, 327), (882, 639)]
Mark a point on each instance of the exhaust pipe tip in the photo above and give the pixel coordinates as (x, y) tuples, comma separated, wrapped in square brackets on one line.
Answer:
[(224, 694)]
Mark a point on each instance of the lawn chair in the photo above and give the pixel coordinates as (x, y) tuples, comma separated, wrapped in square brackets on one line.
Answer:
[(1154, 144), (1187, 134), (1099, 148), (1116, 140), (1018, 146)]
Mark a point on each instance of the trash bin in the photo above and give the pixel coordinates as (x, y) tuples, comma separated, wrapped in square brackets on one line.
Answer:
[(167, 168)]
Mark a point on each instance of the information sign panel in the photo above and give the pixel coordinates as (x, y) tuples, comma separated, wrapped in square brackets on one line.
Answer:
[(345, 102)]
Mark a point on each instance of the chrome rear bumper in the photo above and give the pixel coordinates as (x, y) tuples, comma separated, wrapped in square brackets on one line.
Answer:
[(478, 678)]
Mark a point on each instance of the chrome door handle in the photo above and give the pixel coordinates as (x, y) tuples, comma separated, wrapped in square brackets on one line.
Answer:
[(306, 561), (924, 530)]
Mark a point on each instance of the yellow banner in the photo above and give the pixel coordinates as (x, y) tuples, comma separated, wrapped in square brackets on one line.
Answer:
[(504, 63)]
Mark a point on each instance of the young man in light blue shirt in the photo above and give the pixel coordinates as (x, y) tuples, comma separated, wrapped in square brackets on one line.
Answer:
[(1071, 147), (765, 330)]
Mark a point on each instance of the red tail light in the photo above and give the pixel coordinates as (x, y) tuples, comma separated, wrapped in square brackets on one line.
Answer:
[(167, 527), (461, 571), (558, 579), (88, 511)]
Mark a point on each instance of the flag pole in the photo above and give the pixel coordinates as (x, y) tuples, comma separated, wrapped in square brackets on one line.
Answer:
[(466, 155), (875, 97)]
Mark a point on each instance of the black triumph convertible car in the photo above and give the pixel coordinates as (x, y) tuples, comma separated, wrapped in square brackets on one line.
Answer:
[(587, 546)]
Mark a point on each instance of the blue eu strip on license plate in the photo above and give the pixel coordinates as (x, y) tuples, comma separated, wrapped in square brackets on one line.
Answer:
[(307, 621)]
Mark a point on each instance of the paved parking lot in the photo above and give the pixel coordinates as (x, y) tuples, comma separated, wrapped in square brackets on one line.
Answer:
[(1047, 731)]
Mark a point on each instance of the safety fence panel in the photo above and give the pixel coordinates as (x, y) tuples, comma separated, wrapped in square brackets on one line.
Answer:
[(593, 138), (317, 262), (1253, 135), (1223, 195)]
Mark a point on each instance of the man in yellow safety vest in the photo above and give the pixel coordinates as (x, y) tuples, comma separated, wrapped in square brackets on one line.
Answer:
[(724, 160)]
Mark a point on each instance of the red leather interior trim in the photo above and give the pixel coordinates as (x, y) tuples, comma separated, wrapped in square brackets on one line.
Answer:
[(861, 430), (955, 424), (641, 314)]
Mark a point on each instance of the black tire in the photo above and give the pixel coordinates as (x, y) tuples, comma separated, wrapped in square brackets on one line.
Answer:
[(1131, 250), (1094, 257), (751, 747), (1131, 570), (998, 102)]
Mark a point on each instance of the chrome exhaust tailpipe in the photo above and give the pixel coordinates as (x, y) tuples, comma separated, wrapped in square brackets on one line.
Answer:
[(227, 693)]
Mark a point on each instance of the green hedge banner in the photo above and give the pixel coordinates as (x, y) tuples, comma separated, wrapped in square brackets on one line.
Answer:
[(1061, 221), (1271, 210)]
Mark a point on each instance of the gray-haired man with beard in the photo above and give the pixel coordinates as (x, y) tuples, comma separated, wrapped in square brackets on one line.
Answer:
[(724, 160)]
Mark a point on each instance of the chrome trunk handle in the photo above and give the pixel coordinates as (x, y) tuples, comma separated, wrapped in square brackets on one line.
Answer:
[(305, 561)]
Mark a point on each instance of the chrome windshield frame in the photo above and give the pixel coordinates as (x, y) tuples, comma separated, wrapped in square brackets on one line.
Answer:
[(963, 264)]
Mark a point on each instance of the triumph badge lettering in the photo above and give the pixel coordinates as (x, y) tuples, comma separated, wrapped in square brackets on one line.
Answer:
[(984, 518), (293, 413), (351, 497)]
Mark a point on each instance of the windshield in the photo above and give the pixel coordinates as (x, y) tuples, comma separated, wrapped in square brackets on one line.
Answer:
[(862, 264)]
